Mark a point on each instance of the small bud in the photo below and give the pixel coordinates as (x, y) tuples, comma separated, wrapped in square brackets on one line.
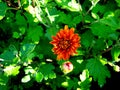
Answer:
[(67, 67)]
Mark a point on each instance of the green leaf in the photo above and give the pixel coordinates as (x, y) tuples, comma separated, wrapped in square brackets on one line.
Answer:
[(99, 45), (38, 76), (118, 2), (99, 8), (11, 70), (16, 35), (101, 30), (3, 80), (94, 15), (3, 87), (115, 52), (35, 33), (9, 55), (26, 50), (98, 71), (52, 75), (70, 5), (20, 20), (85, 80), (84, 75), (52, 13), (77, 19), (51, 32), (94, 2), (25, 79), (29, 70), (3, 9), (110, 20), (85, 85), (47, 71), (87, 39)]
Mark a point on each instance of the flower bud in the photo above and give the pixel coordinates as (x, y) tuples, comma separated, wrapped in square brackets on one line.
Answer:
[(67, 67)]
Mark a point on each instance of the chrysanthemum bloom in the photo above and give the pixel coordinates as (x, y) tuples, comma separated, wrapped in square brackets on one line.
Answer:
[(65, 43)]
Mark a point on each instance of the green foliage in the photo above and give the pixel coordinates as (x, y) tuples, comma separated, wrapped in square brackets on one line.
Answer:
[(27, 27), (3, 9), (47, 71), (70, 5), (98, 71), (11, 70), (25, 79), (39, 76), (85, 80)]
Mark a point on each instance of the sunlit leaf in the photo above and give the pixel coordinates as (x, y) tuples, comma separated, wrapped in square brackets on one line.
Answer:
[(115, 52), (25, 79), (70, 5), (95, 16), (11, 70), (38, 76), (84, 75), (85, 80), (94, 2), (29, 70)]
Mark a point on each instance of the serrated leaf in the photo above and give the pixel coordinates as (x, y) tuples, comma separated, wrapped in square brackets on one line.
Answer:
[(98, 71), (3, 8), (47, 71), (35, 33), (25, 79), (51, 32), (11, 70), (101, 29), (38, 76), (87, 39), (52, 75)]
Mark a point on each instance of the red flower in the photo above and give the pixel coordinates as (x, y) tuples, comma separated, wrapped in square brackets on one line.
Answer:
[(65, 43)]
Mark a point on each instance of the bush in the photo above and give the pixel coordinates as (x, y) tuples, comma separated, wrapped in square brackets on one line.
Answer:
[(32, 55)]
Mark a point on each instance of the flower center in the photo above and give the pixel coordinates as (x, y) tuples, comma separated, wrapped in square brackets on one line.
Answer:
[(64, 44)]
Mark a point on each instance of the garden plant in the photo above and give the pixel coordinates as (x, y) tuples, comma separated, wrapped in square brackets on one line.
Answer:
[(59, 44)]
